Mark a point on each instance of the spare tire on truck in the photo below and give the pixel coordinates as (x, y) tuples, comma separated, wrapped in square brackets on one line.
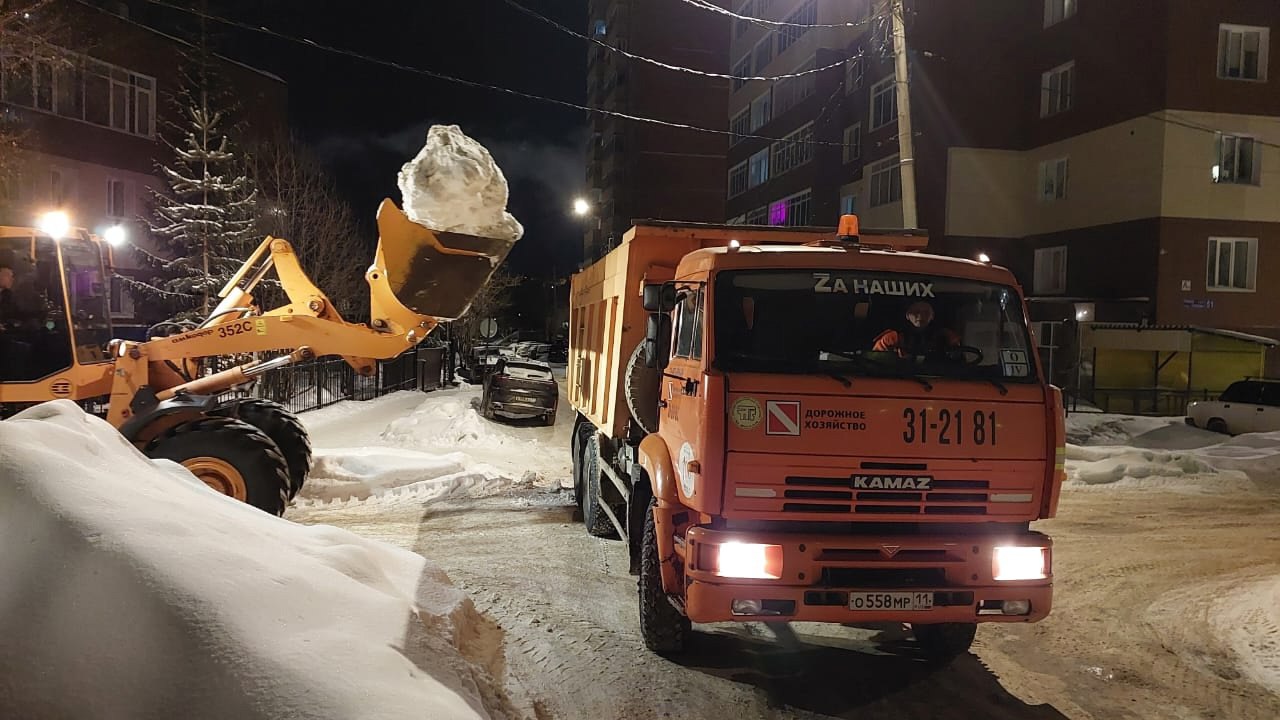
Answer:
[(642, 386)]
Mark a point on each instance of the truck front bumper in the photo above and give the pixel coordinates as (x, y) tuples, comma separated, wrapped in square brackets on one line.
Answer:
[(819, 573)]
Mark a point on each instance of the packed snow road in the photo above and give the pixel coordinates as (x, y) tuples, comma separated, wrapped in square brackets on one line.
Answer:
[(1166, 604)]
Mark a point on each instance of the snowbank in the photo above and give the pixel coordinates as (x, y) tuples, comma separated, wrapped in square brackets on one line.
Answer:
[(133, 591), (454, 185), (1131, 467), (1089, 428), (430, 446), (1248, 619)]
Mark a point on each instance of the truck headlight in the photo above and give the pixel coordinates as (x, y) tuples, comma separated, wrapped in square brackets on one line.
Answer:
[(1020, 563), (749, 560)]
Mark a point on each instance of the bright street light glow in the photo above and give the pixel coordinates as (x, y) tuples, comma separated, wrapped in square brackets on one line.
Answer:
[(55, 224), (581, 207), (115, 235)]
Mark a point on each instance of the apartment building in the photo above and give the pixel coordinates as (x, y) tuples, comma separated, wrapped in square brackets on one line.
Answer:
[(1122, 157), (91, 117), (639, 170)]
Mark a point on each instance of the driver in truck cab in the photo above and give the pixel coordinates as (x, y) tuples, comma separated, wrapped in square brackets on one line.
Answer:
[(919, 336)]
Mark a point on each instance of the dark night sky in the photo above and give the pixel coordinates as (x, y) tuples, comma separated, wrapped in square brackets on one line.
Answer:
[(366, 120)]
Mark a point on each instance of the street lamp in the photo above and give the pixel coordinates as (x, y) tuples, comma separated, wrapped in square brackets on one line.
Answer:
[(115, 235), (581, 207), (55, 224)]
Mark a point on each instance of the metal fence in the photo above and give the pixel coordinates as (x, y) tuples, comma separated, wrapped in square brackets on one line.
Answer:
[(320, 383)]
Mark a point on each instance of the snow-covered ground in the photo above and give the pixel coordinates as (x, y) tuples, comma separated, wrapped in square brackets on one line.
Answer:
[(418, 448), (128, 589)]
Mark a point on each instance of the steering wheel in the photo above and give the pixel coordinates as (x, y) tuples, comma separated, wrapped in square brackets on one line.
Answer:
[(960, 354)]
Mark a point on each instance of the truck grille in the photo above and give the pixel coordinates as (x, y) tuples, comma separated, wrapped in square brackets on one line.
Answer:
[(886, 578), (836, 495)]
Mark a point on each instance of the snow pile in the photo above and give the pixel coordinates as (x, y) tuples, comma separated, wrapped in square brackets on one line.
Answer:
[(1255, 454), (131, 590), (1248, 619), (453, 185), (431, 446), (1131, 467), (1110, 428)]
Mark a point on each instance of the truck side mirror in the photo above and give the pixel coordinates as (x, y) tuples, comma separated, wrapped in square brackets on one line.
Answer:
[(652, 298)]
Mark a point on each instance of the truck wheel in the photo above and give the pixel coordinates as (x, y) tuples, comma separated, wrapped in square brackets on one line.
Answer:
[(598, 524), (285, 431), (230, 456), (945, 641), (664, 628), (1218, 425), (642, 386)]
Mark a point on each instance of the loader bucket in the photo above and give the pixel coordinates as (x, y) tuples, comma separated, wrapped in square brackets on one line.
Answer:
[(435, 273)]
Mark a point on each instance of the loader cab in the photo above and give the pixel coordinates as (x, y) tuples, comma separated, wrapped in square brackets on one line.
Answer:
[(54, 304)]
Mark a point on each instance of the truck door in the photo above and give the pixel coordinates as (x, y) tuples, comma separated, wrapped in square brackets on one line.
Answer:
[(682, 390)]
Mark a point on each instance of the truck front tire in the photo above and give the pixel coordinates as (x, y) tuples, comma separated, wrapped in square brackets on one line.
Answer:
[(664, 628), (945, 641)]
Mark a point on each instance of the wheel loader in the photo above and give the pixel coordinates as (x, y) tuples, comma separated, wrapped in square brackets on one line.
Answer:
[(163, 393)]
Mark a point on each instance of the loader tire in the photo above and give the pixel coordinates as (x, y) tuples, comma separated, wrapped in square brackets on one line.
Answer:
[(945, 641), (664, 628), (284, 429), (230, 456), (597, 522), (642, 387)]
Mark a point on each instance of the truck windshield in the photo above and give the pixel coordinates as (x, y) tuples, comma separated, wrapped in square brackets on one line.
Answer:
[(860, 323), (34, 339)]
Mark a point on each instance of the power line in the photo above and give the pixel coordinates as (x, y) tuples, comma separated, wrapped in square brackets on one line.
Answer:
[(470, 83), (659, 63), (773, 23)]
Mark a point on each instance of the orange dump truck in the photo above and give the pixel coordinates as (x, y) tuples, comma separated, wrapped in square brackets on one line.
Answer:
[(805, 424)]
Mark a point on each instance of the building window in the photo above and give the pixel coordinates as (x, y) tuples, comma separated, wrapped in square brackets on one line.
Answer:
[(792, 91), (853, 143), (1051, 271), (759, 216), (848, 204), (807, 14), (794, 211), (886, 182), (738, 180), (1232, 264), (884, 103), (762, 110), (116, 199), (77, 87), (1237, 160), (59, 187), (758, 169), (745, 8), (1056, 89), (1055, 11), (121, 301), (740, 219), (1242, 52), (741, 70), (794, 150), (1053, 179), (740, 126), (852, 75), (763, 54)]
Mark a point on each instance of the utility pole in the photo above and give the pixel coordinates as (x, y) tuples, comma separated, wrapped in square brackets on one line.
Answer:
[(906, 138)]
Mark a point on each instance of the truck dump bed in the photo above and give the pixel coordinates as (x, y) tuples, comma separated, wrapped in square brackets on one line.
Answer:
[(607, 319)]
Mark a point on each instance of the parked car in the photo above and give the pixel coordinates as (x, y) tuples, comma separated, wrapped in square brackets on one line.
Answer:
[(1250, 405), (520, 388)]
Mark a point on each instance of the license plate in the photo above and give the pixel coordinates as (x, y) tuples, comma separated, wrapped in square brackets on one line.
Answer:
[(908, 601)]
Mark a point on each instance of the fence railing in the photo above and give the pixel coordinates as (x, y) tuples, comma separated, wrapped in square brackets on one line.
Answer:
[(1138, 401), (319, 383)]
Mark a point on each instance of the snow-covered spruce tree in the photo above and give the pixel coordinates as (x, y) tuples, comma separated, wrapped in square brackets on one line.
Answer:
[(203, 222)]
